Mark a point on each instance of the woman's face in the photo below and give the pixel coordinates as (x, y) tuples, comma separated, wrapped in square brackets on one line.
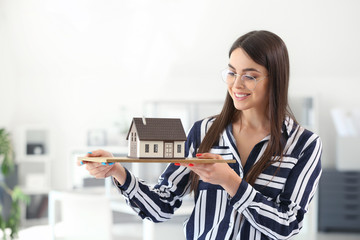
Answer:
[(243, 93)]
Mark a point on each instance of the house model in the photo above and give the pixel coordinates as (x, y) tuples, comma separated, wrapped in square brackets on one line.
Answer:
[(156, 138)]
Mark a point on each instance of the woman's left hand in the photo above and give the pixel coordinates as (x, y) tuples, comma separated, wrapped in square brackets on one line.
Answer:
[(216, 173)]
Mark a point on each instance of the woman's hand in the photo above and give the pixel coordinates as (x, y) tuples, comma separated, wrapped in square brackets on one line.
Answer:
[(104, 170), (217, 173)]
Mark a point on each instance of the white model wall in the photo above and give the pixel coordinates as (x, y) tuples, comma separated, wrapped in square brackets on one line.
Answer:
[(151, 153), (182, 153), (78, 65)]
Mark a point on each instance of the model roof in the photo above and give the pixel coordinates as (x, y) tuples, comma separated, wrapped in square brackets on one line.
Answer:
[(162, 129)]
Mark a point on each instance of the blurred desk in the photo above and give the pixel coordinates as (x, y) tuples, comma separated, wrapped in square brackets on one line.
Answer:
[(117, 204)]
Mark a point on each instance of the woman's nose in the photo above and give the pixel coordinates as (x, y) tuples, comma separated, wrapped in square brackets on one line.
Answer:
[(238, 82)]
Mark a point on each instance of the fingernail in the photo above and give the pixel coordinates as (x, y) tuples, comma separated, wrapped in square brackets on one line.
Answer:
[(111, 163), (177, 164), (103, 163), (199, 154), (81, 163), (89, 152), (191, 165)]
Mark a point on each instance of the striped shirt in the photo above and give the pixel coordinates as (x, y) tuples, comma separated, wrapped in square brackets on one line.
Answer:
[(273, 208)]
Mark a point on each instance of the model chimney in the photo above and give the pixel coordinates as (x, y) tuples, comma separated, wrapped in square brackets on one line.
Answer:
[(144, 120)]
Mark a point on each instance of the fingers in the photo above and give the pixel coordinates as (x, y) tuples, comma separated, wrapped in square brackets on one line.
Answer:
[(92, 165), (95, 153), (99, 170), (190, 164), (80, 163), (107, 163), (201, 156), (208, 172), (99, 153)]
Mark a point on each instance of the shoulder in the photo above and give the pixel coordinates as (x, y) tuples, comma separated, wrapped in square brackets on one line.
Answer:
[(202, 126), (199, 129), (300, 139)]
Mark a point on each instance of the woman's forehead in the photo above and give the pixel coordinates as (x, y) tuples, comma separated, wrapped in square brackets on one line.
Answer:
[(241, 61)]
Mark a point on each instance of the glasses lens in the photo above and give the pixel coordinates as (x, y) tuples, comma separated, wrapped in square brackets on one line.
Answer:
[(228, 76), (249, 82)]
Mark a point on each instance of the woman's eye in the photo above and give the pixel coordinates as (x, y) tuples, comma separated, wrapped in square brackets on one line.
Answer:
[(248, 77), (231, 73)]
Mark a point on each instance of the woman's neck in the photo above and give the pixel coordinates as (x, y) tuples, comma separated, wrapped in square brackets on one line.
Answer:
[(251, 119)]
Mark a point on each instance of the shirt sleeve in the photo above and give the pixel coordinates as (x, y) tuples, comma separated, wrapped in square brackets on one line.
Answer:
[(282, 218), (158, 203)]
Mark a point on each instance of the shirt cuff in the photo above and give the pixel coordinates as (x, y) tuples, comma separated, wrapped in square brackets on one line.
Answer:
[(130, 187), (243, 197)]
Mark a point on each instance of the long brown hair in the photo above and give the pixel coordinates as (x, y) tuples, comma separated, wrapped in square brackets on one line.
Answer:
[(269, 50)]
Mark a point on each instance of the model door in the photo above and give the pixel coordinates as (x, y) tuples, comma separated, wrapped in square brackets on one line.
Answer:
[(168, 150)]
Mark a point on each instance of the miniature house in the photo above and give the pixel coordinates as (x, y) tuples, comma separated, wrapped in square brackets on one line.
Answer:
[(156, 138)]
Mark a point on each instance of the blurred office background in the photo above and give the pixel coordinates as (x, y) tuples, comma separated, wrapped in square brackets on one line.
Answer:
[(74, 73)]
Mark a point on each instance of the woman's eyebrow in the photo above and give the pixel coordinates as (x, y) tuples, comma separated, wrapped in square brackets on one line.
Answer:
[(245, 69), (231, 66), (251, 70)]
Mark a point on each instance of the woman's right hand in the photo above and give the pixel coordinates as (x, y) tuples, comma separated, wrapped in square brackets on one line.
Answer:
[(104, 170)]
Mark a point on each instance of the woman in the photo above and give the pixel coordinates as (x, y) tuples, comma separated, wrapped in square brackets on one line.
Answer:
[(265, 194)]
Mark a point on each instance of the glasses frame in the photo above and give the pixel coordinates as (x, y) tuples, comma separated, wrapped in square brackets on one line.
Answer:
[(224, 74)]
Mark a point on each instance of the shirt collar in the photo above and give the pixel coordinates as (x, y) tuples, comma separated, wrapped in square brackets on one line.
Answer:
[(289, 125)]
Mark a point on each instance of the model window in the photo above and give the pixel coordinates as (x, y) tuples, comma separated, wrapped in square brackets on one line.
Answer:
[(179, 148), (155, 148), (146, 148), (135, 137)]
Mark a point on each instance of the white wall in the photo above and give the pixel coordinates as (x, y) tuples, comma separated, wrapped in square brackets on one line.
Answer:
[(75, 65)]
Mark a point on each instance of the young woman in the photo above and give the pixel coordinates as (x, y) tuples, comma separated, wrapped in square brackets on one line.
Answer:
[(266, 193)]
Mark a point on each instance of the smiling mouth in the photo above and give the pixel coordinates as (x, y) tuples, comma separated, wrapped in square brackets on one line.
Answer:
[(240, 95)]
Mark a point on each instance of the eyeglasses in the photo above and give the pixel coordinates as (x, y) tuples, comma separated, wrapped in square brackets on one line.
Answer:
[(248, 81)]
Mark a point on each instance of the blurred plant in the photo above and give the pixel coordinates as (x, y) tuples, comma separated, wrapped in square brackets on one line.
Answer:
[(17, 196), (6, 151)]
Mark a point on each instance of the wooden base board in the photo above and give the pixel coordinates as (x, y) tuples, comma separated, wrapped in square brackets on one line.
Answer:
[(153, 160)]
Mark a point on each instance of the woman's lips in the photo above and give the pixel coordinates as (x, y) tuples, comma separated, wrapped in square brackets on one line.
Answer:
[(241, 96)]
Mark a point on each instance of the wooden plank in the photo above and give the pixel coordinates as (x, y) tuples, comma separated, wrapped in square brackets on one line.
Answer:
[(152, 160)]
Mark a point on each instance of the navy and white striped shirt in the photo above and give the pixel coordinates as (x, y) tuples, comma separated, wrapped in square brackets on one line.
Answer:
[(273, 208)]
